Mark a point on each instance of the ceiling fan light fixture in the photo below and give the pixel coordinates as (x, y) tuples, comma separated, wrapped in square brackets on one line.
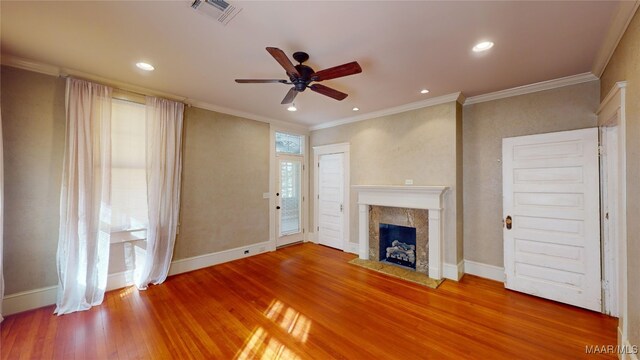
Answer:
[(145, 66), (356, 109), (424, 91), (292, 108), (483, 46)]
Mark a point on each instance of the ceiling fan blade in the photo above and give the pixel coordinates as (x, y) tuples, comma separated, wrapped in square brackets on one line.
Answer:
[(337, 71), (283, 60), (288, 99), (327, 91), (260, 81)]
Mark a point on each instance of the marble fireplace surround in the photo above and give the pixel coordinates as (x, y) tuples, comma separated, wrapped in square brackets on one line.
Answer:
[(412, 197)]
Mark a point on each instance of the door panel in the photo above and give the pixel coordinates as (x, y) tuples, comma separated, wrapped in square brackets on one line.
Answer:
[(289, 200), (551, 192), (330, 202)]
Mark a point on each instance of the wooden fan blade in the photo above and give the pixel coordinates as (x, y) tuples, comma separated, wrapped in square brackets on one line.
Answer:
[(288, 99), (337, 71), (283, 60), (327, 91), (260, 81)]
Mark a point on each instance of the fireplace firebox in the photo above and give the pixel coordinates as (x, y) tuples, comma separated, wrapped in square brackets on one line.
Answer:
[(398, 245)]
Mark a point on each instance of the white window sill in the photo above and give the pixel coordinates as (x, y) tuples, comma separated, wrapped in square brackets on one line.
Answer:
[(130, 235)]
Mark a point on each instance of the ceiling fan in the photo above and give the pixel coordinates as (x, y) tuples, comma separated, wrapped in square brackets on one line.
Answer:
[(300, 76)]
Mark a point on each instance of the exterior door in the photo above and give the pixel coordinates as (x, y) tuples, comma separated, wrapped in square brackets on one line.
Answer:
[(331, 200), (551, 214), (289, 200)]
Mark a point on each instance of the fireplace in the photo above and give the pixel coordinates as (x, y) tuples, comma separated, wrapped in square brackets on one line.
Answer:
[(428, 198), (398, 245)]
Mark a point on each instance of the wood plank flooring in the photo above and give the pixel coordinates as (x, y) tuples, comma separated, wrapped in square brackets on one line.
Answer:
[(306, 302)]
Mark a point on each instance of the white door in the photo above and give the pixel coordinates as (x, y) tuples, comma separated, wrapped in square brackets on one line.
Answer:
[(289, 200), (330, 200), (551, 213)]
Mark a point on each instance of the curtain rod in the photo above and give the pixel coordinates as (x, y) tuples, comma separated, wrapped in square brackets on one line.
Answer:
[(122, 90)]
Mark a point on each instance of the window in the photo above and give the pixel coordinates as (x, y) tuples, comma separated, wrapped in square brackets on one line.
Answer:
[(289, 144), (128, 171)]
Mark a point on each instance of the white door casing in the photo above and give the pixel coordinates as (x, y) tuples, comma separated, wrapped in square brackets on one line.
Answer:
[(551, 194), (331, 200)]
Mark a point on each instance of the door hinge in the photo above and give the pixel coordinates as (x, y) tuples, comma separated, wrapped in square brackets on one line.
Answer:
[(303, 230), (600, 150), (303, 167), (318, 164), (318, 229), (318, 196)]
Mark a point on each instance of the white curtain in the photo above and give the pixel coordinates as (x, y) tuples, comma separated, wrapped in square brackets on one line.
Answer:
[(164, 166), (1, 217), (85, 213)]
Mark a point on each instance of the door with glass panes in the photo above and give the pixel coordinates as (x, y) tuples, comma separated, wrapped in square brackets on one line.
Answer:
[(289, 162)]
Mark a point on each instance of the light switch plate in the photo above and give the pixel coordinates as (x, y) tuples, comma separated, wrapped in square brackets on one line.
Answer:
[(265, 195)]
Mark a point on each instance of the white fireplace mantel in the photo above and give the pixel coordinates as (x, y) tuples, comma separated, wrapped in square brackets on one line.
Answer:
[(414, 197)]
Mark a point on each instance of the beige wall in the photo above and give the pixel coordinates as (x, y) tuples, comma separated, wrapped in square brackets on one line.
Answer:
[(418, 144), (33, 125), (225, 172), (625, 65), (485, 124)]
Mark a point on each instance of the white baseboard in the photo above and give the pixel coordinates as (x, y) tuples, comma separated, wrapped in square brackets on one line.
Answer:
[(33, 299), (352, 248), (27, 300), (623, 344), (484, 270), (452, 271), (203, 261)]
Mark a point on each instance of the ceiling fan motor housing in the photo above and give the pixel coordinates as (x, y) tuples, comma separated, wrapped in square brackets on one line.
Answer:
[(301, 83)]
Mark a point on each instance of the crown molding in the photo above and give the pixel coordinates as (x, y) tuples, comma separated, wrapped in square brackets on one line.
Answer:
[(220, 109), (394, 110), (531, 88), (619, 24), (47, 69)]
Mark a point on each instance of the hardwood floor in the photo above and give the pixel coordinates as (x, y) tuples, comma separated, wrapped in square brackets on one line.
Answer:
[(305, 302)]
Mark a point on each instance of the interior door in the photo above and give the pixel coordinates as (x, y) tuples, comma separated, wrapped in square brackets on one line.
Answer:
[(289, 200), (331, 200), (551, 215)]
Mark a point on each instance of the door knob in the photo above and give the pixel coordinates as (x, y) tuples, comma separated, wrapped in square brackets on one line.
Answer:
[(508, 222), (277, 207)]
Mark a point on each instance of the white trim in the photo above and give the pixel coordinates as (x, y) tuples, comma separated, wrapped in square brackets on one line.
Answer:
[(352, 248), (345, 149), (452, 271), (626, 345), (44, 68), (621, 20), (531, 88), (34, 299), (28, 300), (206, 260), (484, 270), (394, 110), (412, 197), (311, 237)]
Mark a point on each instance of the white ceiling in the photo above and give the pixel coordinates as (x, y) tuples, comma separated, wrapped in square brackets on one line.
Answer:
[(401, 46)]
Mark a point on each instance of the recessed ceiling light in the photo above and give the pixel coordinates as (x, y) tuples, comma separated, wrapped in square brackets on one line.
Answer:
[(483, 46), (292, 108), (424, 91), (356, 109), (145, 66)]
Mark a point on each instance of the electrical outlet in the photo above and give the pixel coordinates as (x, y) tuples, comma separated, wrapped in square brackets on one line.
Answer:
[(246, 252), (408, 182)]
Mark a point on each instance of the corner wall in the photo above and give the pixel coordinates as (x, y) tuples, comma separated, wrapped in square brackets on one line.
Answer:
[(419, 144), (485, 125)]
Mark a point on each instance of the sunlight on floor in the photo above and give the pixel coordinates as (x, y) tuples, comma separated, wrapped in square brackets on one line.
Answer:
[(290, 320), (261, 345), (126, 292)]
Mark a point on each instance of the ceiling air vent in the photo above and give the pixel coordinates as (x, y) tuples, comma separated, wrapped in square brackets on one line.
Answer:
[(217, 9)]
